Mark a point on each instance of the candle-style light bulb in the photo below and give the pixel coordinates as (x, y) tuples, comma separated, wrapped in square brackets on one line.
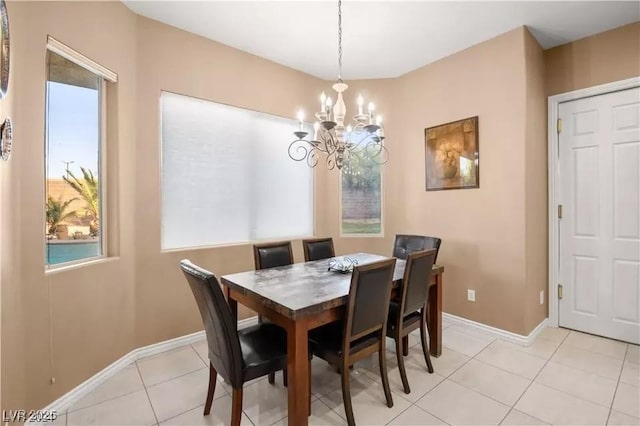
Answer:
[(349, 128), (323, 100), (360, 103), (329, 105), (371, 108), (300, 118)]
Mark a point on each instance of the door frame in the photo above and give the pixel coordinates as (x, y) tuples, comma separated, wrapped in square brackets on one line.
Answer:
[(553, 178)]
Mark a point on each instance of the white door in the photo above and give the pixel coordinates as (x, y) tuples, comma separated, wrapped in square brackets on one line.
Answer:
[(599, 169)]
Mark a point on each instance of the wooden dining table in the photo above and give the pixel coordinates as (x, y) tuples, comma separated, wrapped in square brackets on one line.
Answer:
[(303, 296)]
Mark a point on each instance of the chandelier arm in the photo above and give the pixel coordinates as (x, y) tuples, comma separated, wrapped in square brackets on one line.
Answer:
[(380, 153), (331, 144), (312, 159), (331, 162), (324, 145), (357, 145), (299, 151)]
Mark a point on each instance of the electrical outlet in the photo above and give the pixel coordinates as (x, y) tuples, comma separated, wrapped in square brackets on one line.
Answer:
[(471, 295), (542, 297)]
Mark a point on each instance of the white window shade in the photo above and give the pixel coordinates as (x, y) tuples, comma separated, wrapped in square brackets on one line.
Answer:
[(227, 178)]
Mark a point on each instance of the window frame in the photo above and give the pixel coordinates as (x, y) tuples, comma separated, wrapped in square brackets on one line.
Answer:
[(105, 75), (382, 209)]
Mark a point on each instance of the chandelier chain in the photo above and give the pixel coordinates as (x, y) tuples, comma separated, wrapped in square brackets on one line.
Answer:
[(340, 41)]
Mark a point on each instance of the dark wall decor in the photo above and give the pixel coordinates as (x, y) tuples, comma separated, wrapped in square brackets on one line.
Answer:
[(4, 49), (6, 139), (451, 151), (6, 129)]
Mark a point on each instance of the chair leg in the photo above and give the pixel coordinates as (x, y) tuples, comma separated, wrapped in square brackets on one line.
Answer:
[(285, 378), (382, 360), (405, 345), (403, 372), (425, 347), (272, 378), (346, 395), (236, 407), (213, 375)]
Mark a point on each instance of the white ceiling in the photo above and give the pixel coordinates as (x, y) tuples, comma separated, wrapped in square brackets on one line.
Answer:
[(381, 38)]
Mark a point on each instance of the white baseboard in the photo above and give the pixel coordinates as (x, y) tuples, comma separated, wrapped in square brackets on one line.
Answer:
[(498, 332), (67, 400)]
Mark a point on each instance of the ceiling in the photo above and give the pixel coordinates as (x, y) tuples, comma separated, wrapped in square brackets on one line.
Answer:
[(381, 38)]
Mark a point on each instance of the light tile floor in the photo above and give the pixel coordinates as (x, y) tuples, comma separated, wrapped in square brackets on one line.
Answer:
[(564, 378)]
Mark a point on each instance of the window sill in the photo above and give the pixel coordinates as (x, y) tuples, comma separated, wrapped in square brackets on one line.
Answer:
[(361, 235), (52, 270), (241, 243)]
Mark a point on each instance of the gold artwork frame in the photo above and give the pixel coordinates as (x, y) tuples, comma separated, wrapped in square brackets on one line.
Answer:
[(452, 159)]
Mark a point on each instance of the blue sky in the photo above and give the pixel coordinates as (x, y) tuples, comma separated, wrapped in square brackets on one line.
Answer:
[(73, 129)]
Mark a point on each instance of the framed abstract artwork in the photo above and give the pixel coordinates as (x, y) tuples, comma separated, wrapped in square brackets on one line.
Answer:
[(452, 155)]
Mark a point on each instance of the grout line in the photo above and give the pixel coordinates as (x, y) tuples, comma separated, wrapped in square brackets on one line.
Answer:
[(172, 378), (69, 410), (176, 377), (206, 361), (626, 351), (105, 400), (511, 372), (153, 410), (597, 373), (599, 353), (447, 377), (533, 381)]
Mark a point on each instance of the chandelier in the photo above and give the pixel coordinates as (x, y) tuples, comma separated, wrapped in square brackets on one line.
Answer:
[(330, 135)]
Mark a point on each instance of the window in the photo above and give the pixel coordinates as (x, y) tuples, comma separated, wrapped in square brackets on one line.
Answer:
[(227, 177), (74, 170), (361, 195)]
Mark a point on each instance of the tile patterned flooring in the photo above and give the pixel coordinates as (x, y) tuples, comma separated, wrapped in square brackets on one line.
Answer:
[(563, 378)]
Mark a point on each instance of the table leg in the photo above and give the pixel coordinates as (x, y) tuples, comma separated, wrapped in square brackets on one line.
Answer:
[(298, 366), (233, 304), (434, 316)]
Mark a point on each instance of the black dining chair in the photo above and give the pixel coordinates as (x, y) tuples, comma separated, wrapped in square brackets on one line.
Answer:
[(272, 255), (318, 249), (405, 244), (237, 355), (362, 332), (411, 312)]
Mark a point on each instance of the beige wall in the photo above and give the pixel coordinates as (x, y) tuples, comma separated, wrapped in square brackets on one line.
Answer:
[(66, 325), (174, 60), (70, 324), (602, 58), (483, 229), (81, 320), (535, 164)]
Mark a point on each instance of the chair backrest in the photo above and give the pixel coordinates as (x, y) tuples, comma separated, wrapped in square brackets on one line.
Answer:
[(415, 283), (405, 244), (271, 255), (220, 327), (368, 303), (317, 249)]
